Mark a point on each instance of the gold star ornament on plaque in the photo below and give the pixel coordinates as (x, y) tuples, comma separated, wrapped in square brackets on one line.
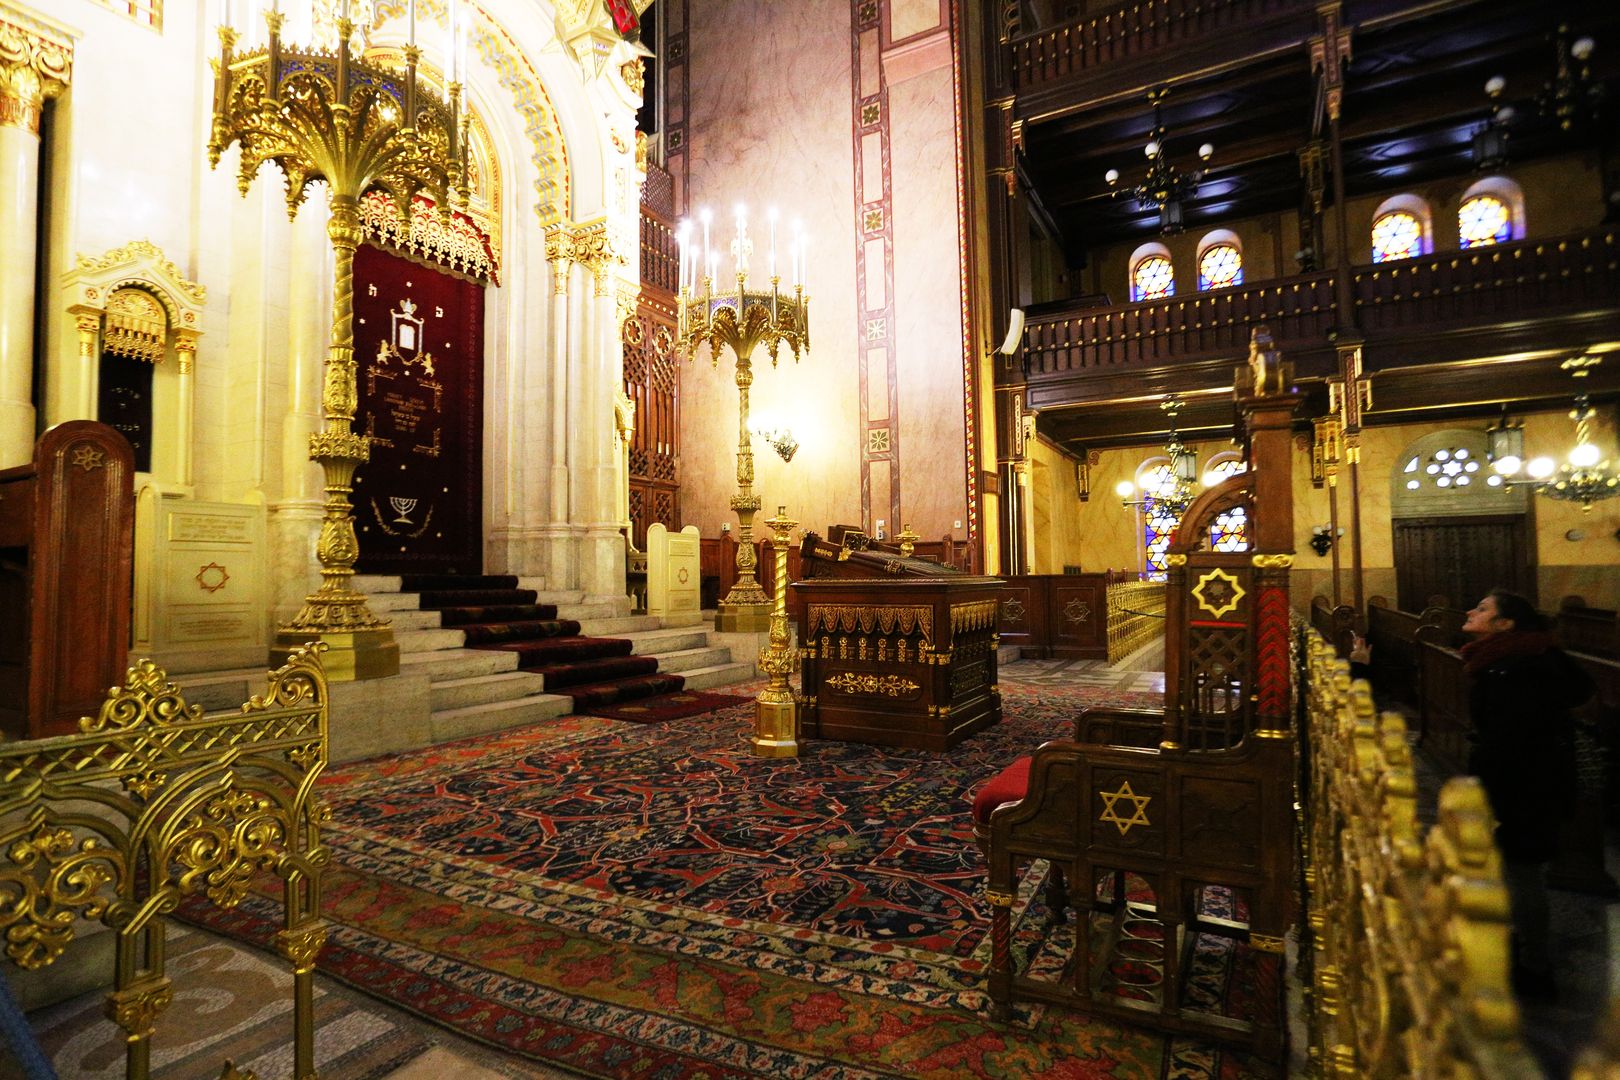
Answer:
[(1218, 593), (1112, 801)]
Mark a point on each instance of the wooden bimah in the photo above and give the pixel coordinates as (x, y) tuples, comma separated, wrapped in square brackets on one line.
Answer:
[(896, 651), (67, 541)]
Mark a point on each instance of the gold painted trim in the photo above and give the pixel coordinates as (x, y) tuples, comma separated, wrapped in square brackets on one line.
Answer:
[(1277, 561)]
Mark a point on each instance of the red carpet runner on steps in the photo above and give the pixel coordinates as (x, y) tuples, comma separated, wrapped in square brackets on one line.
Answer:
[(497, 615)]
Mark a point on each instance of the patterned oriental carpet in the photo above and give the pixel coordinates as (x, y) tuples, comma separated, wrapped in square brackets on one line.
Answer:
[(654, 901)]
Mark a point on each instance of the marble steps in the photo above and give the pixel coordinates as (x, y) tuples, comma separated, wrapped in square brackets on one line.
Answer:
[(471, 690), (622, 626), (422, 641), (716, 676), (447, 724), (442, 664)]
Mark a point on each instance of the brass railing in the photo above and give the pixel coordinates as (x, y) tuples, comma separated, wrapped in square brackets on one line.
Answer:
[(1135, 616), (154, 802), (1408, 928)]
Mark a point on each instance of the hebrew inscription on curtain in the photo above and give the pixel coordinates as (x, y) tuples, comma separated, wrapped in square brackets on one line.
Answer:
[(418, 348)]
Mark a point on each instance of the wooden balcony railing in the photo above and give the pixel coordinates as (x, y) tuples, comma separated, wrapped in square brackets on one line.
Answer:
[(1145, 27), (1182, 327), (1451, 291), (1485, 285)]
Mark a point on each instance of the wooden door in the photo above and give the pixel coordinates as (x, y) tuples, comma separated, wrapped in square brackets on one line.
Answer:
[(1462, 559)]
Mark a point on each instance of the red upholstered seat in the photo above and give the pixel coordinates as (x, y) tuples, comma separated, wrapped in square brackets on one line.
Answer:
[(1009, 785)]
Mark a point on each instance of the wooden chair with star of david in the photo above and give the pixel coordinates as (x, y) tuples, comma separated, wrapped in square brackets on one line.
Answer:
[(1169, 833)]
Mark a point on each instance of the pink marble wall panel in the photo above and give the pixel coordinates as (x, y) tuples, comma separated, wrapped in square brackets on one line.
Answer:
[(927, 303), (769, 122)]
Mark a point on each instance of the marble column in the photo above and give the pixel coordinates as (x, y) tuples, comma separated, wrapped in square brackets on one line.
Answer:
[(35, 64), (555, 534), (295, 518), (185, 350), (603, 557)]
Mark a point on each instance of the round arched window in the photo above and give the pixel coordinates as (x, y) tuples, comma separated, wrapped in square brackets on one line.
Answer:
[(1484, 219), (1220, 266), (1397, 235), (1153, 279)]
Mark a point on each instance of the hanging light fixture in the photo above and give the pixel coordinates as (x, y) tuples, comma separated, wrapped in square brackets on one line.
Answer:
[(1179, 487), (1584, 476), (1164, 188), (1491, 140)]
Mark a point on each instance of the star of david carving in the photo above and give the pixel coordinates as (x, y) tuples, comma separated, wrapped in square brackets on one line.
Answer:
[(1111, 801), (87, 457), (212, 578), (1218, 593), (1077, 611)]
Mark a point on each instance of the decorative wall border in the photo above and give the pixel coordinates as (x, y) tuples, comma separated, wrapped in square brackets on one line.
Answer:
[(970, 360), (874, 220)]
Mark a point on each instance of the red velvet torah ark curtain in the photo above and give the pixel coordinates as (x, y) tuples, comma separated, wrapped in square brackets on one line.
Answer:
[(419, 351)]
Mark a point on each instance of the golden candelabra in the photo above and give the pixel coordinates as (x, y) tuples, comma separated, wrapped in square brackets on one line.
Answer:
[(776, 710), (742, 321), (324, 115)]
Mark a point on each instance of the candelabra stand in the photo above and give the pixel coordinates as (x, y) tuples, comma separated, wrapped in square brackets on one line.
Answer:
[(776, 710), (742, 321), (326, 116)]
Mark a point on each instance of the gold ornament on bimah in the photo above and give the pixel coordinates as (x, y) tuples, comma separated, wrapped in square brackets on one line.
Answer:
[(908, 541), (742, 319), (326, 114), (776, 710)]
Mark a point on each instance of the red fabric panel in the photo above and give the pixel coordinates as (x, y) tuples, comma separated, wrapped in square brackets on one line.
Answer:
[(1009, 785), (427, 425)]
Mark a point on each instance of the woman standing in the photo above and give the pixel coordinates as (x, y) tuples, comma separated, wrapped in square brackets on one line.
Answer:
[(1523, 752)]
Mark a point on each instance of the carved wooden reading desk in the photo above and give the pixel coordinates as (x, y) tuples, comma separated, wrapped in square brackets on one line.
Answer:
[(897, 651)]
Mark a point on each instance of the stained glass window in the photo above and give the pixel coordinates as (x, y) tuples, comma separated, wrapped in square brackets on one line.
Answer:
[(1230, 531), (1397, 235), (1153, 279), (1157, 522), (1484, 219), (1220, 266)]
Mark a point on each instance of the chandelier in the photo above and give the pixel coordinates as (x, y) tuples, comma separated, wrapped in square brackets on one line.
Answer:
[(1164, 188), (1175, 493), (1584, 476), (1571, 99)]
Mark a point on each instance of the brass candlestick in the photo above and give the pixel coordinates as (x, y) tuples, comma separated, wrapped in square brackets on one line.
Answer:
[(742, 320), (776, 710), (328, 116)]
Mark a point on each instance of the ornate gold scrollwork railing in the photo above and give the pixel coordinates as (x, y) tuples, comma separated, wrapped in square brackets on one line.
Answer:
[(154, 802), (1135, 616), (1409, 929)]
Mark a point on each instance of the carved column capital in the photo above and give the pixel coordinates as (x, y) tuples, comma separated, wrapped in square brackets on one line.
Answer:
[(36, 63), (185, 349)]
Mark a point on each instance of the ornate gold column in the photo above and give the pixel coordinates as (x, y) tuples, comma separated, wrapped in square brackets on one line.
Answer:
[(36, 62), (776, 710)]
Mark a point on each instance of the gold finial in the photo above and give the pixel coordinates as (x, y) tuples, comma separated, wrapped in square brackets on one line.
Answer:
[(908, 541)]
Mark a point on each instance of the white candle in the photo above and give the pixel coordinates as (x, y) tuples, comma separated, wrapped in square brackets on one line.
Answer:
[(412, 13), (741, 242), (772, 216), (681, 234), (705, 216), (450, 47)]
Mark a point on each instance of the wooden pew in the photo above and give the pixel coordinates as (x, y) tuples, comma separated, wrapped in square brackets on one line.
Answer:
[(1446, 725), (1595, 631), (67, 542)]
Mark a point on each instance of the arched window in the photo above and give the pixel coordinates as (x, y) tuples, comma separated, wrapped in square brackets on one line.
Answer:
[(1152, 275), (1491, 212), (1445, 472), (1158, 522), (1230, 530), (1484, 219), (1397, 235), (1401, 229), (1220, 260)]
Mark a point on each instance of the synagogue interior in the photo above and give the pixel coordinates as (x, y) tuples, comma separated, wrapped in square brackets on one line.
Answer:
[(837, 539)]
